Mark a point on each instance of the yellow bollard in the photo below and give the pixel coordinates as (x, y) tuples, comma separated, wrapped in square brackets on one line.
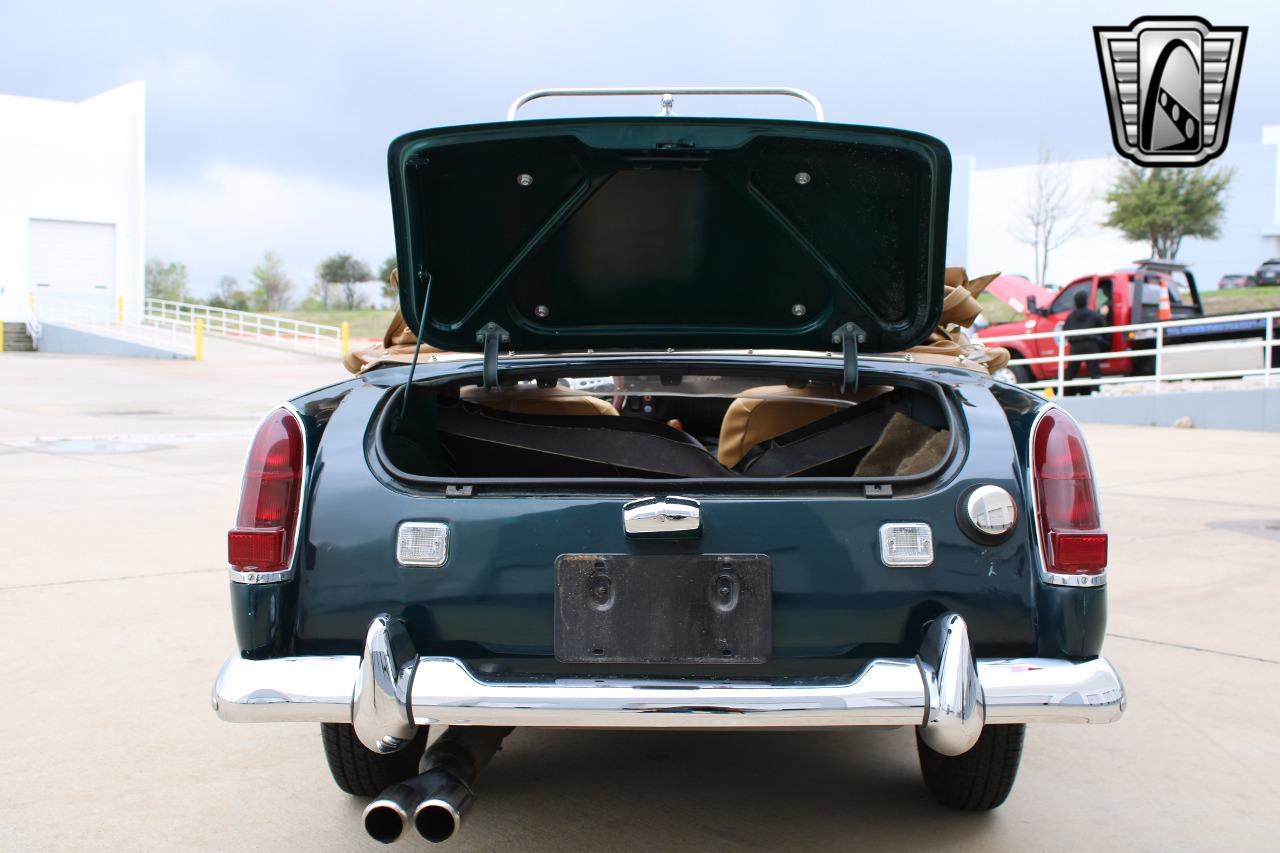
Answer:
[(120, 309), (1, 337), (199, 340), (346, 337)]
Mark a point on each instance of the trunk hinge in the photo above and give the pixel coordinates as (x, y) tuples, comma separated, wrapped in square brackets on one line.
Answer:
[(492, 336), (848, 337)]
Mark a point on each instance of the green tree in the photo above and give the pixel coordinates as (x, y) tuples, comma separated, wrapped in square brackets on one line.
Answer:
[(384, 275), (271, 285), (346, 272), (167, 280), (1161, 206)]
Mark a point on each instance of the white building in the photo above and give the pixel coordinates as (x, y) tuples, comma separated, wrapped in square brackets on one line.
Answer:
[(988, 205), (71, 200)]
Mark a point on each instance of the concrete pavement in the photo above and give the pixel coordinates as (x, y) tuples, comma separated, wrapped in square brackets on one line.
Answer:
[(113, 614)]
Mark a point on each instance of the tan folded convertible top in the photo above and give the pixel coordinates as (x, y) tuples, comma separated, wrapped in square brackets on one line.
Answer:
[(947, 344)]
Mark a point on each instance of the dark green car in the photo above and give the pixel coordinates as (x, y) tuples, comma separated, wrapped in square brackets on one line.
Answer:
[(664, 463)]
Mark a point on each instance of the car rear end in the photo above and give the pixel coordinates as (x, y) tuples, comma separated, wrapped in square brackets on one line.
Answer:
[(400, 606), (407, 552)]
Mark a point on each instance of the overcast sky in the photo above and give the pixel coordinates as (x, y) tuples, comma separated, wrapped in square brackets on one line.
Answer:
[(268, 123)]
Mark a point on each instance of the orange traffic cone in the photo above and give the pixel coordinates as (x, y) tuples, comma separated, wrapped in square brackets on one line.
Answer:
[(1165, 310)]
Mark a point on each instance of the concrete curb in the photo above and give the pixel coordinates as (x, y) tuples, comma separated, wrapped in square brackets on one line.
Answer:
[(1237, 408)]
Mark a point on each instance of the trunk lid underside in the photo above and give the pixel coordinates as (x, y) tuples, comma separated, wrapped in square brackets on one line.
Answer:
[(678, 233)]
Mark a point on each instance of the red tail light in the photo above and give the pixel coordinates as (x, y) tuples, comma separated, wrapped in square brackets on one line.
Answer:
[(1071, 535), (262, 540)]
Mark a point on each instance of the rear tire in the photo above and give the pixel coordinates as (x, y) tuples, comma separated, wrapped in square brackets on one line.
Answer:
[(361, 771), (980, 779)]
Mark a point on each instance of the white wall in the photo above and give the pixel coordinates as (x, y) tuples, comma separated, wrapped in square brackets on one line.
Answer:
[(997, 198), (79, 162)]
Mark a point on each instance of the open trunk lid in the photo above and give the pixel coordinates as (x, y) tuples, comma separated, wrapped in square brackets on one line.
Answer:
[(669, 233)]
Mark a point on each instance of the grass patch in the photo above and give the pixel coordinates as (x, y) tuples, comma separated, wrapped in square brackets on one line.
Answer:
[(1241, 300), (365, 322)]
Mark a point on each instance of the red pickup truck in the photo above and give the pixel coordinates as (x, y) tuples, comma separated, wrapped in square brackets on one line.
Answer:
[(1149, 292)]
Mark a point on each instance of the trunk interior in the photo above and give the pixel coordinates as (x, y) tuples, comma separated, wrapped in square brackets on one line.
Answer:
[(682, 426)]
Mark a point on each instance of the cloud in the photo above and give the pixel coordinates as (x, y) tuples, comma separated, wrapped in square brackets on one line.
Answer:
[(292, 100), (220, 221)]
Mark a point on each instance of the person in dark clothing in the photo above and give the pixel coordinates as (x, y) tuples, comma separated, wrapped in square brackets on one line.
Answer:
[(1084, 318)]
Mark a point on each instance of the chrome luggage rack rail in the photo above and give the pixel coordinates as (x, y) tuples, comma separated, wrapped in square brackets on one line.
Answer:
[(667, 95)]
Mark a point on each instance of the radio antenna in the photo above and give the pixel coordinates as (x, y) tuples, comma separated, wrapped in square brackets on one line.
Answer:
[(417, 348)]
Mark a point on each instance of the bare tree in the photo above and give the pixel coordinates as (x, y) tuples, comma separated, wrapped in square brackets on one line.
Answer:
[(1052, 213)]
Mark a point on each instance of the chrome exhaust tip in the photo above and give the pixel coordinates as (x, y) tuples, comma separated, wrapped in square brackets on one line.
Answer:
[(435, 800), (385, 819), (438, 819), (389, 817)]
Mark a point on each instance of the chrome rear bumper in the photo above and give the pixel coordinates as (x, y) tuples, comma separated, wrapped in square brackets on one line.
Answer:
[(389, 691)]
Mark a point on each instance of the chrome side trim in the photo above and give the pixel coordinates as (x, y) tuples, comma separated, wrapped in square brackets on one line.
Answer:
[(1046, 575), (380, 697), (955, 709), (286, 573)]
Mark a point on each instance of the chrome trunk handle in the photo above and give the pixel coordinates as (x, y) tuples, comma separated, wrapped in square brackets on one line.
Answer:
[(667, 93), (671, 516)]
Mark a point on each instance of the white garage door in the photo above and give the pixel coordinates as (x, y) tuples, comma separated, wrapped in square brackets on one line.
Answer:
[(73, 261)]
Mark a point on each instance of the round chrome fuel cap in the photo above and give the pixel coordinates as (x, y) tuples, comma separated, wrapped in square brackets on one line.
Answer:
[(991, 510)]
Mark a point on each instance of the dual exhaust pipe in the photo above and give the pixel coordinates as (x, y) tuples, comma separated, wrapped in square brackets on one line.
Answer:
[(435, 801)]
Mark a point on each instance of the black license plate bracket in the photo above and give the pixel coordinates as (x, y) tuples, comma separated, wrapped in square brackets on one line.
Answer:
[(669, 608)]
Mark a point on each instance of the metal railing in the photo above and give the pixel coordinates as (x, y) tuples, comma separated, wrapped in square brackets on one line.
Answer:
[(1156, 349), (112, 322), (268, 329), (31, 322)]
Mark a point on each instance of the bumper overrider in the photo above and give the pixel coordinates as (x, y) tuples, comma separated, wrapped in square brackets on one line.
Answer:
[(390, 690)]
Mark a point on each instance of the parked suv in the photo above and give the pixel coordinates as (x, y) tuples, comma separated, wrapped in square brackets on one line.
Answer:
[(1269, 273)]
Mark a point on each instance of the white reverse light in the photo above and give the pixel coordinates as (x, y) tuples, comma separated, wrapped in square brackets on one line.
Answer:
[(906, 544), (992, 510), (422, 543)]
